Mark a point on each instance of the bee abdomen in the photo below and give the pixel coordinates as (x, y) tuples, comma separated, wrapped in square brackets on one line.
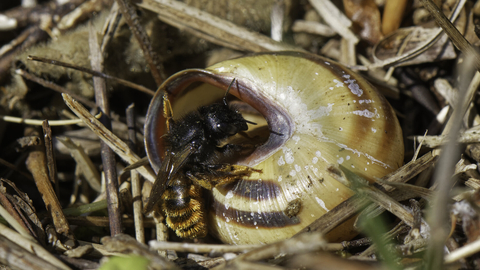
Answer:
[(184, 211)]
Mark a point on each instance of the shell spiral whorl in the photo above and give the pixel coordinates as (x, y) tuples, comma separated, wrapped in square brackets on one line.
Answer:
[(325, 113)]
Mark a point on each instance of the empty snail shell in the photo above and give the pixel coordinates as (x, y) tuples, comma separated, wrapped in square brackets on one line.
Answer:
[(319, 113)]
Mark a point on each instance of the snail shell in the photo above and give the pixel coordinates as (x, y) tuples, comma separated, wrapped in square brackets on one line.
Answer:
[(320, 113)]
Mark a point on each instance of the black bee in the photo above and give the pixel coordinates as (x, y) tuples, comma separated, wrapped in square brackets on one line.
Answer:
[(190, 163)]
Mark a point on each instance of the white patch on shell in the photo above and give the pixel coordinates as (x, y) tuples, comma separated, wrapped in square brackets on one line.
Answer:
[(321, 203), (374, 130), (297, 168), (289, 158), (293, 173), (358, 153), (340, 160), (321, 111), (366, 113), (314, 160), (347, 158), (229, 195), (318, 154), (296, 139), (281, 161), (305, 120), (279, 178), (353, 86), (338, 83), (366, 101)]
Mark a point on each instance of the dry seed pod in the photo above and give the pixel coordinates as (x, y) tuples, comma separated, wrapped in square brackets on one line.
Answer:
[(319, 112)]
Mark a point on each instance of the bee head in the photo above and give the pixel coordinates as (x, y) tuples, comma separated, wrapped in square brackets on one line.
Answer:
[(222, 121)]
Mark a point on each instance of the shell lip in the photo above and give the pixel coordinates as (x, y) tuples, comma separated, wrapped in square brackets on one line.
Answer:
[(276, 116)]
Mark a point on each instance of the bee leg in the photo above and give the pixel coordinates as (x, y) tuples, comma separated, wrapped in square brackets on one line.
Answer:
[(220, 174), (167, 110), (229, 150)]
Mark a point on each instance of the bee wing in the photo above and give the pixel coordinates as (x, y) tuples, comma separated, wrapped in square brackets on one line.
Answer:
[(171, 164)]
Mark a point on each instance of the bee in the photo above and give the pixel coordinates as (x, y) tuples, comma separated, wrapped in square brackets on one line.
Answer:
[(190, 164)]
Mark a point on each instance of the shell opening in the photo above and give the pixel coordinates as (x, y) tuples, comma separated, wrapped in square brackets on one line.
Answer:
[(195, 88)]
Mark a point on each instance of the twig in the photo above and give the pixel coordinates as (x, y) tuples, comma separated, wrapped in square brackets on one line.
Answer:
[(94, 73), (17, 41), (84, 163), (103, 221), (296, 245), (126, 244), (108, 158), (463, 252), (420, 49), (335, 19), (31, 246), (34, 37), (315, 28), (445, 170), (117, 145), (200, 248), (218, 249), (277, 17), (348, 208), (458, 39), (37, 165), (388, 203), (35, 122), (153, 60), (110, 26), (14, 255), (212, 28), (50, 154), (393, 15), (324, 260), (135, 178), (12, 221), (13, 167), (54, 87)]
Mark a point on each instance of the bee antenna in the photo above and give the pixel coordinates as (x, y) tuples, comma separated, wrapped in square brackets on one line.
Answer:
[(228, 90), (276, 133)]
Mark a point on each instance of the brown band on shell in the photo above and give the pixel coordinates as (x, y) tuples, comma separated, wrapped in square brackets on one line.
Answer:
[(255, 189), (364, 125), (274, 219), (364, 91)]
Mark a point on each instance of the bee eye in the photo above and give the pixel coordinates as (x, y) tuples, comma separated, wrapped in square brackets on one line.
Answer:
[(222, 127), (227, 129)]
